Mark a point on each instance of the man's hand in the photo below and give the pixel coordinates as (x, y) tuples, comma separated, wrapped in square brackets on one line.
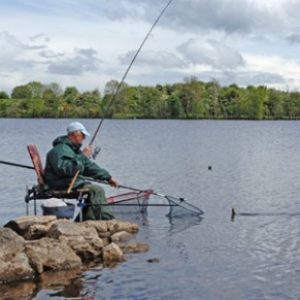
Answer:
[(88, 151), (113, 182)]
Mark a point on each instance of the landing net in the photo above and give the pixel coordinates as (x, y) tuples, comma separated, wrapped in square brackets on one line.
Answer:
[(180, 207), (129, 203)]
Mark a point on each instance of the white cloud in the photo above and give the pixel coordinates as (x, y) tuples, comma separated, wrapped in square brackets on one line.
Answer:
[(211, 53), (161, 59), (84, 60), (230, 39)]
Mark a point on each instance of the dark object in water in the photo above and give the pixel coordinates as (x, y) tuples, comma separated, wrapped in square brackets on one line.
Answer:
[(209, 168), (233, 213), (61, 212), (153, 260)]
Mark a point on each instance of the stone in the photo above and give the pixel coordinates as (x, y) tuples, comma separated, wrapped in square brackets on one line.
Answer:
[(19, 290), (112, 253), (117, 225), (121, 237), (100, 226), (86, 249), (14, 264), (50, 254), (82, 239), (68, 228), (135, 248), (31, 227)]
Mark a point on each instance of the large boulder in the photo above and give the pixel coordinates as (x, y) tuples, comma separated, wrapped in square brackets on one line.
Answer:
[(100, 226), (14, 264), (112, 253), (50, 254), (32, 227), (83, 240), (121, 237)]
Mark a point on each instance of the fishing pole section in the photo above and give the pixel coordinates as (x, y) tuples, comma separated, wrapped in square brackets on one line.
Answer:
[(126, 73)]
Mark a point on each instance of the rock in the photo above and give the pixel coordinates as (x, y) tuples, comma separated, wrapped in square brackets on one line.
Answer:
[(50, 254), (48, 280), (14, 264), (50, 244), (31, 227), (68, 228), (121, 237), (86, 250), (82, 239), (117, 225), (20, 291), (135, 248), (100, 226), (112, 253)]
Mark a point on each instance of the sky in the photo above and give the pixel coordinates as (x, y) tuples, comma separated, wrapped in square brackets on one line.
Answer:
[(86, 43)]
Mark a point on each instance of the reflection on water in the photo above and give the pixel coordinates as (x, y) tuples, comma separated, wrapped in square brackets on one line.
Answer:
[(254, 168)]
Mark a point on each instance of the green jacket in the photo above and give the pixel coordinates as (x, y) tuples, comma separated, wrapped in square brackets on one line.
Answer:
[(64, 160)]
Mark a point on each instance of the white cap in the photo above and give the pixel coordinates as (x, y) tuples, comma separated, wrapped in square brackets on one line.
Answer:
[(77, 126)]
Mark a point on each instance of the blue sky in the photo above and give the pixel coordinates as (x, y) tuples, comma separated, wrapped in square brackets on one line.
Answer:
[(87, 43)]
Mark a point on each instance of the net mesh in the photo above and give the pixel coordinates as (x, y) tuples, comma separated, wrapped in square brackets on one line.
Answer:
[(129, 203), (179, 207)]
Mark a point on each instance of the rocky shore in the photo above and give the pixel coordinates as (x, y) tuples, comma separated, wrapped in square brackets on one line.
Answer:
[(31, 246)]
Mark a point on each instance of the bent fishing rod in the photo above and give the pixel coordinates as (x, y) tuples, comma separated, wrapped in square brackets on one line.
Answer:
[(128, 69), (97, 149)]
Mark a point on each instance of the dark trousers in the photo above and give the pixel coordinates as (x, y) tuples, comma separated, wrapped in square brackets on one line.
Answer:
[(95, 210)]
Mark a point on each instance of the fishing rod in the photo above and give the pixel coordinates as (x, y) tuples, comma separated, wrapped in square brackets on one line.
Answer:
[(128, 69), (97, 149), (15, 164)]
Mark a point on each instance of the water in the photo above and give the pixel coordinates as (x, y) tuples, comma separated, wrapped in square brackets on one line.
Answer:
[(255, 169)]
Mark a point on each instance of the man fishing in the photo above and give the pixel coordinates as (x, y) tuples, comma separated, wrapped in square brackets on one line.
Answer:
[(66, 162)]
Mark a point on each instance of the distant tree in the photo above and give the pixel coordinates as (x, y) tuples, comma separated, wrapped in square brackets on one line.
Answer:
[(70, 94), (111, 87), (71, 91), (21, 92), (55, 88), (3, 95), (36, 89)]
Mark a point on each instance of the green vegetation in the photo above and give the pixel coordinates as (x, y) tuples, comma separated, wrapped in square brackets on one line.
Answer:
[(191, 99)]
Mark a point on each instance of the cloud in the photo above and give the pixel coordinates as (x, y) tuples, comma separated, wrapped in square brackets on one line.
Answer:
[(15, 55), (161, 59), (242, 16), (211, 53), (294, 38), (84, 60)]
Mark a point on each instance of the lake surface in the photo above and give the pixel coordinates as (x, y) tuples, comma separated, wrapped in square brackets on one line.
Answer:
[(255, 169)]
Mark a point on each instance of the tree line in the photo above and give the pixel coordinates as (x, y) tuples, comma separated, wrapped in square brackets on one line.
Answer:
[(190, 99)]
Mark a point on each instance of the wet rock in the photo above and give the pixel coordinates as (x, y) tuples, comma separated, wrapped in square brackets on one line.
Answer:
[(121, 237), (50, 254), (31, 227), (14, 264), (117, 225), (86, 250), (100, 226), (135, 248), (82, 239), (112, 253), (50, 244), (18, 291)]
